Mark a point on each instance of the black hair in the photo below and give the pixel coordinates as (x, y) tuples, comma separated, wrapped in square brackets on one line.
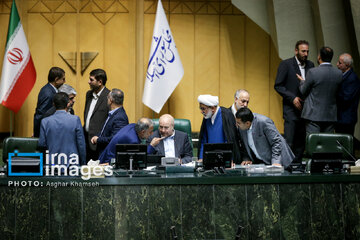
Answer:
[(60, 100), (99, 74), (244, 114), (55, 72)]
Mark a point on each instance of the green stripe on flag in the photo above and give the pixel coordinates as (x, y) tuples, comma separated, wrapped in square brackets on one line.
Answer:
[(14, 21)]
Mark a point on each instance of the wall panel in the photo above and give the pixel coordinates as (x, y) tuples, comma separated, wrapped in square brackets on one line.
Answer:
[(221, 50), (207, 68)]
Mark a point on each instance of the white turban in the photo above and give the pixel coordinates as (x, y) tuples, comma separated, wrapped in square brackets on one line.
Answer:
[(208, 100)]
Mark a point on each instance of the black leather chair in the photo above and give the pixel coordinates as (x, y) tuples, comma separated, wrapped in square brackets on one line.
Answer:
[(328, 142), (22, 144), (328, 152), (183, 125)]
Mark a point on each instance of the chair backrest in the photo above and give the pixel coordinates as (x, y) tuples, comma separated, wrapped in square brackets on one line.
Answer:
[(327, 142), (183, 125), (22, 144)]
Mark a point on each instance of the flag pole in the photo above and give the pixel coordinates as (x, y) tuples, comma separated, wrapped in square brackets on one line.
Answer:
[(11, 123)]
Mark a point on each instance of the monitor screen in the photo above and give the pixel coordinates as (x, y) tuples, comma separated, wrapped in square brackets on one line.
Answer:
[(217, 155), (127, 152)]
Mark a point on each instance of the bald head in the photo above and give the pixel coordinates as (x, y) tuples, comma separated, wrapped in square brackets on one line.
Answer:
[(144, 128), (241, 98), (166, 125), (345, 62)]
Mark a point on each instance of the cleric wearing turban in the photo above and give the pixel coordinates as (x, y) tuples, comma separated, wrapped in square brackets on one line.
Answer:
[(218, 125)]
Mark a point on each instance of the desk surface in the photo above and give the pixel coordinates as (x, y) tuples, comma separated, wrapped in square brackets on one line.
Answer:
[(202, 178)]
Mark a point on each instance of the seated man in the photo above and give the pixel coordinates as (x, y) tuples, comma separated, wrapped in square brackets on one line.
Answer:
[(62, 133), (218, 126), (116, 120), (263, 142), (130, 134), (169, 142)]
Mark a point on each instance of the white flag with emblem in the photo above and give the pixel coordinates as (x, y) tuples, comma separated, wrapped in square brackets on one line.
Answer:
[(165, 69)]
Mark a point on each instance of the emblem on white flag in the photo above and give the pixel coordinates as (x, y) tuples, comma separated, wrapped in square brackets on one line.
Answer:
[(165, 69)]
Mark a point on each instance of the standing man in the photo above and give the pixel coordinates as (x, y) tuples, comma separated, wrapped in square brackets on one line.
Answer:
[(169, 142), (130, 134), (218, 126), (116, 120), (348, 96), (287, 85), (320, 89), (263, 142), (96, 110), (241, 99), (62, 133), (70, 91), (56, 78)]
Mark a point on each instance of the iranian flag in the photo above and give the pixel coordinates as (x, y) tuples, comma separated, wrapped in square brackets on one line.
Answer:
[(18, 72)]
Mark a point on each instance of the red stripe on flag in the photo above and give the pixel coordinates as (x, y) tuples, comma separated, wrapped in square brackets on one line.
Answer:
[(22, 88)]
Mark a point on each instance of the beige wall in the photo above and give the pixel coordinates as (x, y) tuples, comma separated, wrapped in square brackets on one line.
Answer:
[(221, 50)]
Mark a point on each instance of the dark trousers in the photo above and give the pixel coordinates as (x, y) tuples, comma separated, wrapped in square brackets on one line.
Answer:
[(90, 153), (294, 134), (345, 128), (319, 127)]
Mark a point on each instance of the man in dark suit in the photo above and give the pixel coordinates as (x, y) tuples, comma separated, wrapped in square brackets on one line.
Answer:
[(320, 89), (263, 142), (241, 99), (56, 78), (133, 133), (116, 120), (348, 96), (287, 85), (70, 91), (169, 142), (62, 133), (96, 110)]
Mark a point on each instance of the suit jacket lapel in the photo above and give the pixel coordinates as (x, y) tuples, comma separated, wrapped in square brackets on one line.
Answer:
[(100, 100), (296, 66)]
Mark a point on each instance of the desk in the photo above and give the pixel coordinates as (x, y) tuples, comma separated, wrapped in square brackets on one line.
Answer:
[(286, 206)]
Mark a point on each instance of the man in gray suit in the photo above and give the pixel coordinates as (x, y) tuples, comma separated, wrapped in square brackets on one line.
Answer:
[(320, 89), (263, 142)]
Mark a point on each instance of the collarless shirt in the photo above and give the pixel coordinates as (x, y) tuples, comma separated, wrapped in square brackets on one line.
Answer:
[(233, 109), (169, 146)]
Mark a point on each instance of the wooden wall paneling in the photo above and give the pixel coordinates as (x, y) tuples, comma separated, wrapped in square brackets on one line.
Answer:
[(65, 40), (39, 34), (275, 107), (232, 54), (183, 98), (117, 54), (207, 72), (91, 39), (257, 58)]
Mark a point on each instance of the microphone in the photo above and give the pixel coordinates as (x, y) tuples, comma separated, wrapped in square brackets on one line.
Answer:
[(343, 148)]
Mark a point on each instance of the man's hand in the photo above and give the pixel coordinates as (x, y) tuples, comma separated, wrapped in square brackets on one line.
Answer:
[(94, 139), (155, 141), (246, 162), (300, 77), (297, 103)]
